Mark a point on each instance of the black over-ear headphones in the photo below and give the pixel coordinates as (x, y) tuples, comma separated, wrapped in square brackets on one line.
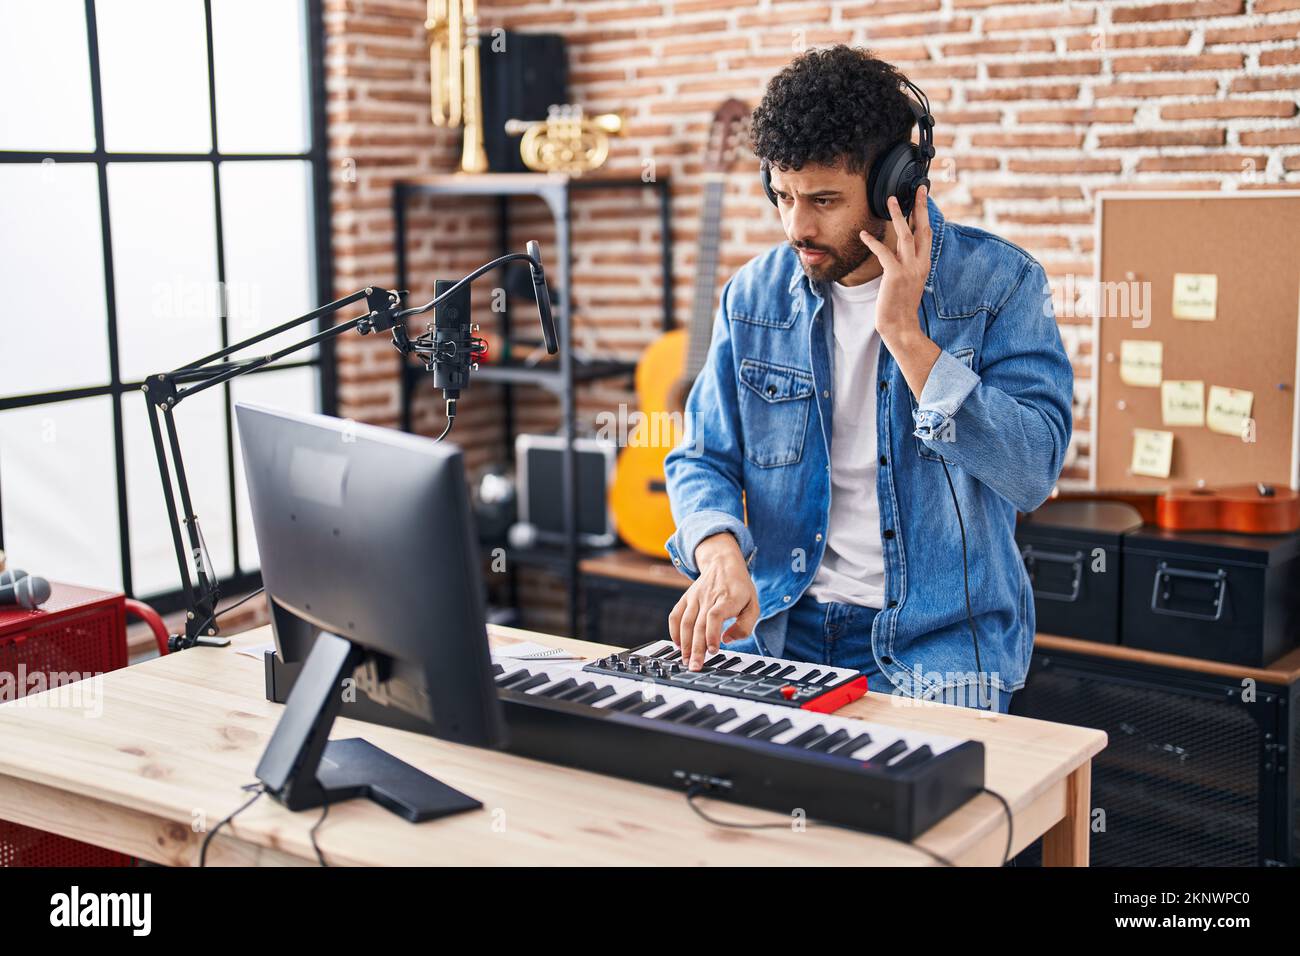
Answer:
[(898, 171)]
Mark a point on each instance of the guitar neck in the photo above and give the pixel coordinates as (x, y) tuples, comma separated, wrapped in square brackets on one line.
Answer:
[(700, 329)]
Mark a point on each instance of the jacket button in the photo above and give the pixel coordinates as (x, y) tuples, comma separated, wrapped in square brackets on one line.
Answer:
[(893, 604), (884, 386), (826, 393), (771, 390), (888, 534), (786, 599), (819, 537), (884, 460), (677, 561), (886, 660)]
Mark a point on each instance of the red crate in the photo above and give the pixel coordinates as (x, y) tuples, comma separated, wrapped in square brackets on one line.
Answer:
[(77, 629)]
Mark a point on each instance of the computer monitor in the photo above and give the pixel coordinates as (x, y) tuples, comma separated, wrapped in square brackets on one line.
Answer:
[(370, 561)]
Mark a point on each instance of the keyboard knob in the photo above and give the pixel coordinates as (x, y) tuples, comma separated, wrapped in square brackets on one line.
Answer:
[(788, 691), (674, 668)]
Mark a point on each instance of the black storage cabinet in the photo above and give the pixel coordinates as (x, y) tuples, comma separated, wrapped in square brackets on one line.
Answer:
[(1072, 552), (1222, 597)]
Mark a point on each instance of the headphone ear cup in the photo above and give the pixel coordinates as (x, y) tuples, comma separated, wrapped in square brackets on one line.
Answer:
[(765, 176), (888, 178)]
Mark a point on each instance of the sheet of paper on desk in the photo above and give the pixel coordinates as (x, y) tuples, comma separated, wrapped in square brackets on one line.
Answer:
[(532, 651), (257, 651)]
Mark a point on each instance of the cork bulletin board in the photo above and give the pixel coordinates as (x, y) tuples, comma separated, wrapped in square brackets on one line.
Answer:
[(1244, 248)]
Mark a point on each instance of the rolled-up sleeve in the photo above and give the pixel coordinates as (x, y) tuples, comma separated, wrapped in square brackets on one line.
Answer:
[(949, 383)]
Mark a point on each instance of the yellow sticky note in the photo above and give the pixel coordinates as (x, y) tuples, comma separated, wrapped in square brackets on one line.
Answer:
[(1140, 362), (1153, 452), (1182, 403), (1195, 296), (1228, 409)]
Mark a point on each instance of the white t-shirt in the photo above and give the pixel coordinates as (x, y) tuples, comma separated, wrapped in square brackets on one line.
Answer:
[(853, 567)]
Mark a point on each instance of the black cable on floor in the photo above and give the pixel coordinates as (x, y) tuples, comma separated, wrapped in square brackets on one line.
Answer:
[(258, 789)]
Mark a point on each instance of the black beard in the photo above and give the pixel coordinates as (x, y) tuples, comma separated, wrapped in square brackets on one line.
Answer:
[(843, 260)]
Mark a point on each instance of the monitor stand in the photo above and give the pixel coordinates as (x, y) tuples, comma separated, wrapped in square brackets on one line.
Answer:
[(302, 768)]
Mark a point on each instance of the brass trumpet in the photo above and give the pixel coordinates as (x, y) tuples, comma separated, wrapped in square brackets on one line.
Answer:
[(455, 77), (566, 141)]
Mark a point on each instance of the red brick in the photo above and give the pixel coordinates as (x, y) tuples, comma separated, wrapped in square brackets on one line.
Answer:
[(786, 13), (1046, 68), (1262, 84), (1064, 166), (1026, 192), (883, 8), (1164, 137), (623, 13), (1177, 11), (1276, 6), (1040, 21), (1205, 162), (1082, 114), (1040, 91), (988, 47), (1253, 34), (1291, 162), (1201, 86), (958, 117), (1270, 137), (1279, 57), (1228, 109), (1177, 64), (920, 28), (1027, 139), (1100, 42)]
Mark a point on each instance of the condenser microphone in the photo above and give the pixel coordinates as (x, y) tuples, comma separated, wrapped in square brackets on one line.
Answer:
[(543, 297), (28, 591)]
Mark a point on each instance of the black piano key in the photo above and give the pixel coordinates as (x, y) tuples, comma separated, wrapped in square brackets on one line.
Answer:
[(559, 688), (537, 680), (600, 693), (675, 655), (714, 659), (582, 690), (828, 678), (704, 713), (767, 733), (717, 719), (651, 704), (678, 713), (509, 680), (887, 754), (808, 678), (857, 743), (664, 650), (751, 725), (497, 670), (725, 665), (769, 670), (808, 737), (627, 701), (786, 671), (756, 666), (830, 741), (918, 756)]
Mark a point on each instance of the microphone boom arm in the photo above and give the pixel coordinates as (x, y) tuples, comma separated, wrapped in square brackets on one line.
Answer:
[(164, 391)]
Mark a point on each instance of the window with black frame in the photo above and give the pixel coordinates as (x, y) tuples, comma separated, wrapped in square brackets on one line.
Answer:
[(163, 192)]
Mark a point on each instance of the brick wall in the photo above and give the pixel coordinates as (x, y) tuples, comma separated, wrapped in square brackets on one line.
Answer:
[(1039, 105)]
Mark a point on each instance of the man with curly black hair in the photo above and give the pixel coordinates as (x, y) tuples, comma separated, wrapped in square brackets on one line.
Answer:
[(885, 391)]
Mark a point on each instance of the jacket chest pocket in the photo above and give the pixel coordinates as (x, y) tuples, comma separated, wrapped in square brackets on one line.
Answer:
[(967, 357), (774, 403)]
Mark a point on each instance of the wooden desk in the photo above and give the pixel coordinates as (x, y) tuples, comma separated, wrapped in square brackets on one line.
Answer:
[(179, 735)]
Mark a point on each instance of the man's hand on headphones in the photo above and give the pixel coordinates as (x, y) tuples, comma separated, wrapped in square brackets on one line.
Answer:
[(906, 267)]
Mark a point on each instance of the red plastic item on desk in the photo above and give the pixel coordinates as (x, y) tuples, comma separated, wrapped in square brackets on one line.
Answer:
[(78, 630)]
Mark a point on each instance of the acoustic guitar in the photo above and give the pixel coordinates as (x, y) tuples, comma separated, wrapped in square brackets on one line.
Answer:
[(638, 496)]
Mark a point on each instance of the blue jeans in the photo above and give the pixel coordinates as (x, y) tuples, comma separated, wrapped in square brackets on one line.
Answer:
[(839, 635)]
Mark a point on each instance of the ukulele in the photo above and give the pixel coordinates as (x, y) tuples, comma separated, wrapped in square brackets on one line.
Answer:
[(638, 496), (1240, 509)]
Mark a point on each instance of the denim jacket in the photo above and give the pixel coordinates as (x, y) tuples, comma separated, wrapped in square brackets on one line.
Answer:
[(996, 406)]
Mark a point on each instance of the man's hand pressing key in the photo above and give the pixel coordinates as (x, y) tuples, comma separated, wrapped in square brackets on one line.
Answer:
[(723, 590)]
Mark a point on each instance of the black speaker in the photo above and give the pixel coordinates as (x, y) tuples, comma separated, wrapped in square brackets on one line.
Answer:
[(1200, 768), (522, 75)]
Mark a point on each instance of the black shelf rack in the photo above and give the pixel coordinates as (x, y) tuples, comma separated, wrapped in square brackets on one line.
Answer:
[(555, 190)]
